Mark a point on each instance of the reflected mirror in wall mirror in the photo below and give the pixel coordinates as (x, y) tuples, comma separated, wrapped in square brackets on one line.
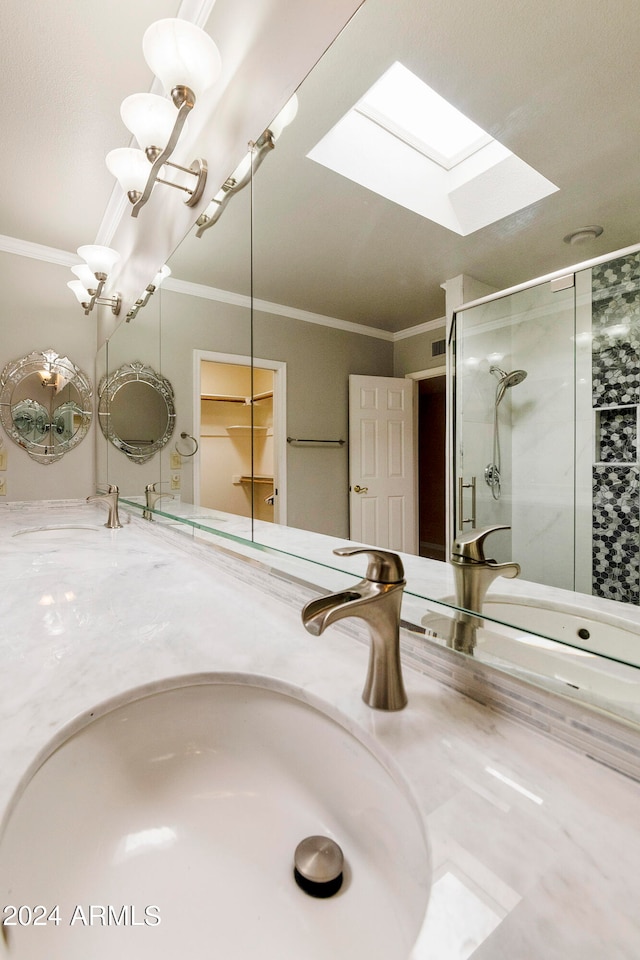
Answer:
[(45, 404), (136, 410)]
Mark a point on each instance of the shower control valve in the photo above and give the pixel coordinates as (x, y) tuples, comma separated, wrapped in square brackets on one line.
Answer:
[(491, 475)]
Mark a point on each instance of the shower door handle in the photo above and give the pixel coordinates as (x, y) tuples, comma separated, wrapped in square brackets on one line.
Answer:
[(462, 486)]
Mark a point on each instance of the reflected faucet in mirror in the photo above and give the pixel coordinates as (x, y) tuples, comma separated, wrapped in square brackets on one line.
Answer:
[(110, 498), (152, 495), (377, 600), (474, 574)]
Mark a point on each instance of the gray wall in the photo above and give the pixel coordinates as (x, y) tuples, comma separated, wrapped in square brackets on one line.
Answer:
[(319, 360), (41, 313), (412, 354)]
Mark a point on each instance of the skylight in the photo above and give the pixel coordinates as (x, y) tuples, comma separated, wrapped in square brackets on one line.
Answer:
[(408, 144), (410, 110)]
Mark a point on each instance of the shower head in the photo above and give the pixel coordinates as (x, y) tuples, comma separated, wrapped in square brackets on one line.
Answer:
[(506, 380), (514, 378)]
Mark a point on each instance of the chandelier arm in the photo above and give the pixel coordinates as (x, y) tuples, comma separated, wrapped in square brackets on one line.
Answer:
[(263, 145), (183, 112)]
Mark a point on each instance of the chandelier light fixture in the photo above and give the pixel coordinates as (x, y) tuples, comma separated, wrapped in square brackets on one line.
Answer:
[(92, 276), (187, 63), (247, 166)]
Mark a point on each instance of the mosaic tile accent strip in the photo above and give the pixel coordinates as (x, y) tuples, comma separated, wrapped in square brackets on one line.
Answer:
[(620, 275), (615, 321), (617, 435), (616, 526)]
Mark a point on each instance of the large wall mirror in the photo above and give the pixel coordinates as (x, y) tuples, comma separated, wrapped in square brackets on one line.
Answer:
[(45, 404), (309, 279)]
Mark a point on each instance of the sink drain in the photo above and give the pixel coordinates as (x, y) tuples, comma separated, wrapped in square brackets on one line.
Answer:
[(318, 864)]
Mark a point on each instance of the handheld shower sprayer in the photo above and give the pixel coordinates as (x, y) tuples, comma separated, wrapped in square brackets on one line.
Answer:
[(505, 381)]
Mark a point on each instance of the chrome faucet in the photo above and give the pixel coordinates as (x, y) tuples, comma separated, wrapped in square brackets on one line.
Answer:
[(110, 498), (377, 600), (474, 574), (151, 498)]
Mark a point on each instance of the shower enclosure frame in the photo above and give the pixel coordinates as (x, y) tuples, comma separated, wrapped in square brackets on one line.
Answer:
[(558, 280)]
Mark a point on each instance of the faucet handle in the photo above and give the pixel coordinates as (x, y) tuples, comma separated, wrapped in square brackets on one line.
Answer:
[(111, 488), (384, 566), (470, 546)]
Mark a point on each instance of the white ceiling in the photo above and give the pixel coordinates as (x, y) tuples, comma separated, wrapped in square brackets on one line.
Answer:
[(553, 80)]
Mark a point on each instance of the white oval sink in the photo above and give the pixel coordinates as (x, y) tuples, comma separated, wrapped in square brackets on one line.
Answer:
[(603, 634), (61, 532), (579, 655), (191, 799), (610, 637)]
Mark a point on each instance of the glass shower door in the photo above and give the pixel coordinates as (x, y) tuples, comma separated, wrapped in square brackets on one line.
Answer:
[(515, 437)]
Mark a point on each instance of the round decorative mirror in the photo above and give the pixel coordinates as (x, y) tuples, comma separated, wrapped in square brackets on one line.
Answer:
[(45, 404), (136, 410)]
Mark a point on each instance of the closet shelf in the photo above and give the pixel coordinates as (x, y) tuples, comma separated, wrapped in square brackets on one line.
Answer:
[(256, 478), (233, 398), (241, 428), (223, 398)]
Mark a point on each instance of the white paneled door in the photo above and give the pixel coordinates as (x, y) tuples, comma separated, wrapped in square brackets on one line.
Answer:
[(382, 475)]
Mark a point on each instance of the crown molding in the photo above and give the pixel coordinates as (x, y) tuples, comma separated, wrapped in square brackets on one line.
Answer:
[(37, 251), (420, 328), (277, 309), (114, 211)]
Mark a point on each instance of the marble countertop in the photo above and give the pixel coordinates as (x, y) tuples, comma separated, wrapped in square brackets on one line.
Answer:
[(429, 580), (535, 848)]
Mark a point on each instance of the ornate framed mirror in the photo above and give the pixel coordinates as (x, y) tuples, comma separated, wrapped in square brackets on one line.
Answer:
[(136, 410), (45, 404)]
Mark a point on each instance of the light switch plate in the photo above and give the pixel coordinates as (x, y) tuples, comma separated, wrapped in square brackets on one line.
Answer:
[(3, 487), (3, 459), (176, 461), (175, 481)]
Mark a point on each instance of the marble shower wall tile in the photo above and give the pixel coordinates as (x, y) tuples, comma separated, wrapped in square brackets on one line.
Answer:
[(543, 426)]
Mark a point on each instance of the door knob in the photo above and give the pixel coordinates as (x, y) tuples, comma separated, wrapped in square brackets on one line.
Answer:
[(358, 489)]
